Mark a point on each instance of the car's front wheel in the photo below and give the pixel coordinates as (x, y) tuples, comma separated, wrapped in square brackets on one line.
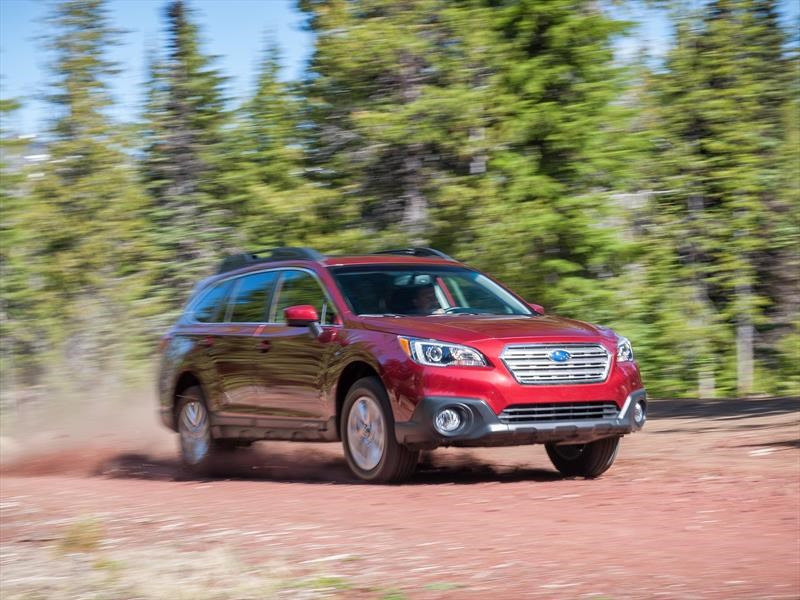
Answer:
[(367, 430), (584, 460)]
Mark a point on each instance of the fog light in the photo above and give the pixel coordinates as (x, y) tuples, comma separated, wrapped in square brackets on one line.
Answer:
[(447, 420), (639, 415)]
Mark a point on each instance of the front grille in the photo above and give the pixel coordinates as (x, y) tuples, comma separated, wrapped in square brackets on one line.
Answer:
[(571, 411), (531, 363)]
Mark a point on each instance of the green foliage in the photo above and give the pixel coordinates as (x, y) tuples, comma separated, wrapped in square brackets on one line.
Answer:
[(725, 224), (397, 131), (75, 227), (184, 166), (16, 343), (265, 178)]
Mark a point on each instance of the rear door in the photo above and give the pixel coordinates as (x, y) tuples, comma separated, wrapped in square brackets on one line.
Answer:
[(200, 331), (240, 350), (293, 368)]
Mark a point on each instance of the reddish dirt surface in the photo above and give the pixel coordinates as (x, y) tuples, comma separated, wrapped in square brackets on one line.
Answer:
[(705, 503)]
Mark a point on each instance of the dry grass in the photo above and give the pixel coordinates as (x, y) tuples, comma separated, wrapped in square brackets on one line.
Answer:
[(83, 535), (78, 566)]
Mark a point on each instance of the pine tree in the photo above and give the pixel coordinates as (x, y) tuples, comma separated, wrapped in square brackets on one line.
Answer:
[(271, 116), (487, 129), (275, 202), (15, 338), (78, 232), (723, 96), (775, 66), (183, 161), (397, 130), (547, 220)]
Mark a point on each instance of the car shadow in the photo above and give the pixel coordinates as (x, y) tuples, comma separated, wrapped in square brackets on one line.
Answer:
[(258, 464)]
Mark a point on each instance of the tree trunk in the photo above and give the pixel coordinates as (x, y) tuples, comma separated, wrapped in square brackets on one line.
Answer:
[(416, 205), (744, 343), (706, 384)]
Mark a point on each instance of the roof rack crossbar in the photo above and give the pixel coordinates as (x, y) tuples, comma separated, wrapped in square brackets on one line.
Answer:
[(237, 261), (418, 251)]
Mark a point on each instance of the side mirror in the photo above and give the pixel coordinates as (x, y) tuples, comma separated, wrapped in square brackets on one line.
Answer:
[(537, 308), (301, 315)]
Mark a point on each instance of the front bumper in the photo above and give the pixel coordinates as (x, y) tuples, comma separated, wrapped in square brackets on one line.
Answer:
[(482, 427)]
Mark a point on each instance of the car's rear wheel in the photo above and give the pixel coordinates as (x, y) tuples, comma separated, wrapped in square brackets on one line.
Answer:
[(367, 430), (199, 450), (584, 460)]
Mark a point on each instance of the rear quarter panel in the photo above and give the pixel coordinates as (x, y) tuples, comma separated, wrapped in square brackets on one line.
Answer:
[(181, 355)]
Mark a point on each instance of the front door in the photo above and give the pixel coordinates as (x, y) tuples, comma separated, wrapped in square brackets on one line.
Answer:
[(241, 351), (293, 367)]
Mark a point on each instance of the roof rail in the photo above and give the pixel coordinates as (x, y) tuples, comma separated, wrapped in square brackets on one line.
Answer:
[(418, 251), (237, 261)]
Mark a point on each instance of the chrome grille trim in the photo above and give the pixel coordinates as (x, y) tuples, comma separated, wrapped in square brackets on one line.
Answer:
[(563, 411), (530, 365)]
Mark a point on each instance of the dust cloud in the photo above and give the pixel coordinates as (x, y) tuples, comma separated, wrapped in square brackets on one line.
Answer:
[(121, 436), (73, 434)]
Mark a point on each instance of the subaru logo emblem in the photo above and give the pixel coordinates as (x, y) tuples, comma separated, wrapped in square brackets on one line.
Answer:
[(559, 356)]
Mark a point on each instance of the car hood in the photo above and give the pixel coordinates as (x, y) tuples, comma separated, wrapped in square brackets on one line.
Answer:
[(473, 328)]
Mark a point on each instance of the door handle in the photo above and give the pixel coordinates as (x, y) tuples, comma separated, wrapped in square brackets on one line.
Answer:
[(328, 335), (264, 345), (207, 341)]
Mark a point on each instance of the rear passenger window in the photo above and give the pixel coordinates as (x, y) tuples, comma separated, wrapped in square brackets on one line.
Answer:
[(252, 297), (211, 306), (300, 287)]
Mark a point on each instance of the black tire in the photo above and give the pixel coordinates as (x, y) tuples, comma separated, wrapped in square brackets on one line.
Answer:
[(584, 460), (233, 444), (201, 454), (396, 462)]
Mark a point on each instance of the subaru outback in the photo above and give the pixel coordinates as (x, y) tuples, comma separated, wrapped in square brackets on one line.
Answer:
[(390, 353)]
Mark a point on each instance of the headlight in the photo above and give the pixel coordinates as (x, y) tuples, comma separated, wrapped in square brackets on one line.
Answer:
[(441, 354), (624, 350)]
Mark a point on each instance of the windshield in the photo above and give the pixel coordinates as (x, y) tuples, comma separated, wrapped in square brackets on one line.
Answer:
[(423, 290)]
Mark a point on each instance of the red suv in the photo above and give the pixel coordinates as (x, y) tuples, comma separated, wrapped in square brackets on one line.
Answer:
[(391, 353)]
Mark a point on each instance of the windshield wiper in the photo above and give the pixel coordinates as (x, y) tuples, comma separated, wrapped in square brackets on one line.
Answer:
[(467, 310)]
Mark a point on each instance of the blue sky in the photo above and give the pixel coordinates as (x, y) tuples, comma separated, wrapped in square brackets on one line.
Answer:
[(233, 30)]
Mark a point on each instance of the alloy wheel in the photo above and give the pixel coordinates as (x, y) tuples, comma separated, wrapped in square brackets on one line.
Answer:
[(194, 431), (366, 433)]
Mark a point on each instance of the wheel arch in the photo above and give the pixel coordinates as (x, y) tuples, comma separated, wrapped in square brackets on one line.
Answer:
[(354, 371), (186, 380)]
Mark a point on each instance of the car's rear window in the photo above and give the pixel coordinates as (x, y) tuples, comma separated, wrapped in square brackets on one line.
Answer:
[(210, 306)]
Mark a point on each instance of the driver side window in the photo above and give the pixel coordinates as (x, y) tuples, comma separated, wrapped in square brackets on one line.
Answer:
[(300, 287)]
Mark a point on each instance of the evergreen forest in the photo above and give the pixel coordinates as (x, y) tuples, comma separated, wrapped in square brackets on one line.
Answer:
[(659, 196)]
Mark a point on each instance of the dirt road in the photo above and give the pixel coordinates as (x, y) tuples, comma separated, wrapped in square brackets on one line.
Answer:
[(705, 503)]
